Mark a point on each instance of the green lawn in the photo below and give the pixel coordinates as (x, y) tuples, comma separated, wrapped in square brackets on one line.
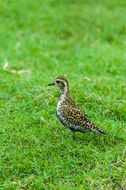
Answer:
[(85, 40)]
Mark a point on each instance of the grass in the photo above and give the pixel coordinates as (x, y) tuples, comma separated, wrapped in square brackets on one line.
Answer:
[(85, 41)]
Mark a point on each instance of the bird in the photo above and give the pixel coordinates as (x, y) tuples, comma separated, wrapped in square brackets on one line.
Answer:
[(69, 113)]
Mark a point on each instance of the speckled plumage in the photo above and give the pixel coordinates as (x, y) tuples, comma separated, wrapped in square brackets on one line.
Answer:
[(70, 115)]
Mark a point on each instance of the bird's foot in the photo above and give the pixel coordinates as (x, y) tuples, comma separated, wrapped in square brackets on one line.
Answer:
[(74, 138)]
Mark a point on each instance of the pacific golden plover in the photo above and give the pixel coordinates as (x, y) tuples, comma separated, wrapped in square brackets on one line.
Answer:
[(70, 115)]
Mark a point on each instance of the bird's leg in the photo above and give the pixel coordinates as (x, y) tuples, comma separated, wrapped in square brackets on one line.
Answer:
[(73, 135)]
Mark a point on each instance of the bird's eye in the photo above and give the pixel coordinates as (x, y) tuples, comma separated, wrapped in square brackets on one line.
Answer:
[(58, 81)]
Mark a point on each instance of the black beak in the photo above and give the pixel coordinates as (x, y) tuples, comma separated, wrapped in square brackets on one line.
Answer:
[(51, 84)]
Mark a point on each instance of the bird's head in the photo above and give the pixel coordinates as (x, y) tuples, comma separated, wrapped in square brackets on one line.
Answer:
[(62, 83)]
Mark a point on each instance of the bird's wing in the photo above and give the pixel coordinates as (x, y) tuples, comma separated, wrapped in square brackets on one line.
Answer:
[(76, 116)]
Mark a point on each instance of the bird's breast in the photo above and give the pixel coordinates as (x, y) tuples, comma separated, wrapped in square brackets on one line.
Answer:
[(59, 109), (60, 113)]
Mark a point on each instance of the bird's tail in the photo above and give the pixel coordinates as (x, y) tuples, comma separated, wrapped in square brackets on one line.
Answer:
[(96, 129)]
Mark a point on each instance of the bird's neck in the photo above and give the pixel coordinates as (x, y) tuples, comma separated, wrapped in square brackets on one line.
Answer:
[(64, 93)]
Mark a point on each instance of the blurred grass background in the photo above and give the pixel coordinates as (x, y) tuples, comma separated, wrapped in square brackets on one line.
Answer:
[(85, 40)]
